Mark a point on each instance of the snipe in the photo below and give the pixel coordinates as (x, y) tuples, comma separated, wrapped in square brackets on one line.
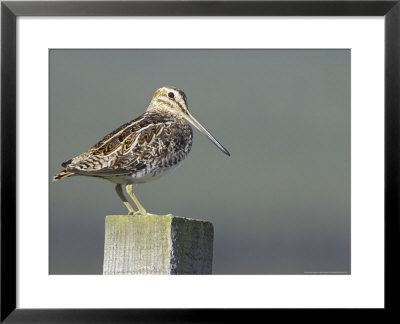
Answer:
[(143, 149)]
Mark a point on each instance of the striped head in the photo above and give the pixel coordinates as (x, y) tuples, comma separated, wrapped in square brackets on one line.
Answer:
[(174, 101), (169, 99)]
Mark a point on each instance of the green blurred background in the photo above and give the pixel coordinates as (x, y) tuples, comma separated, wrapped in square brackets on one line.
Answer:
[(280, 204)]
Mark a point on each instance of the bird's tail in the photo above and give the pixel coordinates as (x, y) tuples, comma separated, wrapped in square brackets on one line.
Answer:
[(62, 175)]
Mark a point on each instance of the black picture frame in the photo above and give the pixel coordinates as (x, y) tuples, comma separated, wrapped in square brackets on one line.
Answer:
[(11, 10)]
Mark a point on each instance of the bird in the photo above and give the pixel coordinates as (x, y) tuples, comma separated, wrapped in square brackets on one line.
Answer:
[(143, 149)]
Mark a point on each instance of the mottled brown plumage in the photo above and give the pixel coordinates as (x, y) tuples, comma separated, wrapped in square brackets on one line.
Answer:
[(147, 145), (143, 149)]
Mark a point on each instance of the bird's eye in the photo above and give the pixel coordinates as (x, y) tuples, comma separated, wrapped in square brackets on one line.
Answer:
[(171, 95)]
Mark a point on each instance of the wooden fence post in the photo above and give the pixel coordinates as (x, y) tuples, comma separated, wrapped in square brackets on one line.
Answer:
[(157, 244)]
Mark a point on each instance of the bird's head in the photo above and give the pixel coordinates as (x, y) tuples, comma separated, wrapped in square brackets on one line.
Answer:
[(173, 100), (169, 99)]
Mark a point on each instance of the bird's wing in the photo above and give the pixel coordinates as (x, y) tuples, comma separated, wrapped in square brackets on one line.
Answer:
[(123, 151)]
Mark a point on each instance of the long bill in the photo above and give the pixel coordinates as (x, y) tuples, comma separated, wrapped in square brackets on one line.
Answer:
[(205, 132)]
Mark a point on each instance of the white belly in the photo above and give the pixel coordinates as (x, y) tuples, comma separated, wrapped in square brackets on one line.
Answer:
[(142, 176)]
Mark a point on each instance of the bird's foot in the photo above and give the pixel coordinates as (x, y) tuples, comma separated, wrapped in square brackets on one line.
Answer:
[(141, 213)]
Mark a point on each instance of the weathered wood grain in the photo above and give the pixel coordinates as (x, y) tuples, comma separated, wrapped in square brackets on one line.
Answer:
[(157, 244)]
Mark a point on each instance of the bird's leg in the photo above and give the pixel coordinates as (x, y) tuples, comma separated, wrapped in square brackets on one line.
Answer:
[(121, 195), (129, 190)]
